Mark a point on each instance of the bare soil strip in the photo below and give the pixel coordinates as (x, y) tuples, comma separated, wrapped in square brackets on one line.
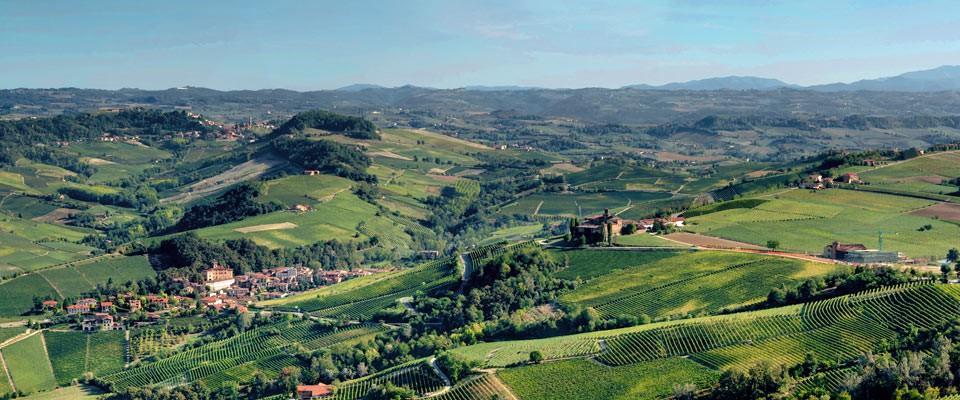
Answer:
[(267, 227)]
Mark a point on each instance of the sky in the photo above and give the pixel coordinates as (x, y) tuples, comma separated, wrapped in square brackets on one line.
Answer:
[(313, 45)]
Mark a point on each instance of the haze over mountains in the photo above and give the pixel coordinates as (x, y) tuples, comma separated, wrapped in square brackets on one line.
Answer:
[(942, 78)]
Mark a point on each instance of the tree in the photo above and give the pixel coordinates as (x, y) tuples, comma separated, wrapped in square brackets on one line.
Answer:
[(953, 255), (773, 244), (389, 391), (945, 272), (536, 357), (629, 229)]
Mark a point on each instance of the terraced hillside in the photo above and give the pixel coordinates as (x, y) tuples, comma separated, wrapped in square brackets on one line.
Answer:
[(417, 376), (267, 349), (839, 329)]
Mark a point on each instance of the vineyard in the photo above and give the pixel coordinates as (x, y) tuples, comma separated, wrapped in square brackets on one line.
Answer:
[(480, 387), (482, 254), (837, 330), (417, 376), (365, 300), (263, 348), (653, 286)]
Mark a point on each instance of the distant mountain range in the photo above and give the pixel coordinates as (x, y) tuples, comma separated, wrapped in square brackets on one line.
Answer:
[(938, 79)]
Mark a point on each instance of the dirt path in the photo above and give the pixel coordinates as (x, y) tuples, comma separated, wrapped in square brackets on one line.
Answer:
[(55, 288), (29, 333), (43, 342), (240, 172), (446, 380), (537, 211), (703, 242), (3, 361)]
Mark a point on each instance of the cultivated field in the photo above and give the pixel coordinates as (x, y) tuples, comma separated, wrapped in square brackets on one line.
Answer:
[(807, 221), (690, 283), (364, 296), (344, 218), (584, 379), (16, 295)]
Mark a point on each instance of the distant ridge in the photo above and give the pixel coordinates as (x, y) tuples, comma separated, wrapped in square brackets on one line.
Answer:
[(942, 78), (356, 87), (721, 83)]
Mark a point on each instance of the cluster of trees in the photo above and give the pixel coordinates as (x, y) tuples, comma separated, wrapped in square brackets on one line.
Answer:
[(142, 197), (355, 127), (18, 138), (512, 281), (838, 284), (233, 205), (326, 156)]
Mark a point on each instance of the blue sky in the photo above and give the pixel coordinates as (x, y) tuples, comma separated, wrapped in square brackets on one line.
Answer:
[(308, 45)]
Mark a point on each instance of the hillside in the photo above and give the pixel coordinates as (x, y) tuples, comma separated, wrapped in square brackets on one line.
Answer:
[(375, 258)]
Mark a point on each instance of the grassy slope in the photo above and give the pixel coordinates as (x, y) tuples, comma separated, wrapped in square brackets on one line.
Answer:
[(690, 283), (338, 219), (583, 379), (806, 221), (29, 366), (16, 295)]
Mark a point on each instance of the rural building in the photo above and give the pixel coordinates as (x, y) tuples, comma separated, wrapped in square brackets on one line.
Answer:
[(301, 208), (76, 309), (871, 257), (49, 304), (318, 391), (858, 254), (849, 177), (838, 251), (311, 172), (134, 305), (593, 227), (430, 254), (100, 322), (218, 277)]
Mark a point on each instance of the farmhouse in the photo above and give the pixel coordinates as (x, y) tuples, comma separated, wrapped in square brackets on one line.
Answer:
[(100, 322), (308, 392), (858, 254), (595, 226), (838, 251), (849, 177), (311, 172)]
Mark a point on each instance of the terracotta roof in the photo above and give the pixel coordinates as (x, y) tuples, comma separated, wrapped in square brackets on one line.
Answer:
[(315, 390)]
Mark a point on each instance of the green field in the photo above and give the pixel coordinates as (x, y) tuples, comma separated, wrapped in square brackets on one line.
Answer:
[(16, 295), (265, 348), (690, 284), (642, 239), (583, 379), (927, 174), (343, 218), (838, 329), (68, 393), (513, 233), (68, 354), (27, 245), (582, 204), (587, 264), (363, 296), (29, 366), (303, 189), (116, 160), (807, 221)]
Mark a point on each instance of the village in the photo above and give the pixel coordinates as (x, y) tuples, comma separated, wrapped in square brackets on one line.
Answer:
[(218, 290)]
